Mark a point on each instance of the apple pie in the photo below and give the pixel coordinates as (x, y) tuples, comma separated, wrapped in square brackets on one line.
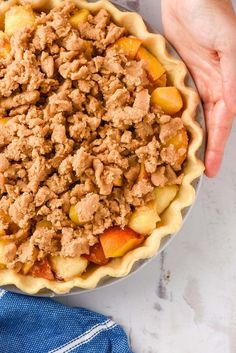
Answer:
[(98, 143)]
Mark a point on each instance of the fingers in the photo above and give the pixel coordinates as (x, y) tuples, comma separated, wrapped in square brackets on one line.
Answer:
[(228, 72), (219, 122)]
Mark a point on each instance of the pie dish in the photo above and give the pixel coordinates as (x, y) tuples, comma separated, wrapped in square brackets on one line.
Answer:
[(110, 164)]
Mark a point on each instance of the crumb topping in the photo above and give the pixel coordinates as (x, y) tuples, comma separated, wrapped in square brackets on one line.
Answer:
[(80, 126)]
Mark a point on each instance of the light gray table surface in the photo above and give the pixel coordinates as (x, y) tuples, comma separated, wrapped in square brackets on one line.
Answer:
[(184, 301)]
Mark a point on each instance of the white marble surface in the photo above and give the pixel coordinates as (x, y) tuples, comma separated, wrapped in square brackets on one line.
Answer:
[(184, 301)]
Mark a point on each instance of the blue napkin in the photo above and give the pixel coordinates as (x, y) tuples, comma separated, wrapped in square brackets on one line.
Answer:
[(39, 325)]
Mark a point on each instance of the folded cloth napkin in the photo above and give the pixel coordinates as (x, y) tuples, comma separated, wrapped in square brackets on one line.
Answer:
[(39, 325)]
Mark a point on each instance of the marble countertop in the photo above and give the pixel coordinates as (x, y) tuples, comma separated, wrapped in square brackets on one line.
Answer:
[(183, 301)]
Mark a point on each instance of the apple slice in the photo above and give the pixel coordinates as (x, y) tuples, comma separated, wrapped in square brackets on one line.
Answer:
[(27, 267), (117, 242), (44, 224), (4, 45), (154, 68), (42, 269), (79, 16), (128, 46), (168, 98), (97, 255), (118, 182), (144, 219), (164, 196), (180, 141), (68, 267), (4, 121), (74, 216), (162, 81), (18, 18), (6, 220)]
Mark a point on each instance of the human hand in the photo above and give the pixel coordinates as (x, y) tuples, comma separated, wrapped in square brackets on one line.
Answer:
[(204, 34)]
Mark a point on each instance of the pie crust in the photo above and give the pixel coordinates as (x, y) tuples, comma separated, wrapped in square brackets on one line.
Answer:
[(171, 219)]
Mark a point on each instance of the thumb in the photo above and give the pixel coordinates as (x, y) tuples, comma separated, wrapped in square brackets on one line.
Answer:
[(219, 122)]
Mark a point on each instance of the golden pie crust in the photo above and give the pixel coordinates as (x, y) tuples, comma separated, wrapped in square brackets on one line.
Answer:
[(171, 219)]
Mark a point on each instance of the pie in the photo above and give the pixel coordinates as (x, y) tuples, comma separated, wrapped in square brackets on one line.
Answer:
[(98, 143)]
